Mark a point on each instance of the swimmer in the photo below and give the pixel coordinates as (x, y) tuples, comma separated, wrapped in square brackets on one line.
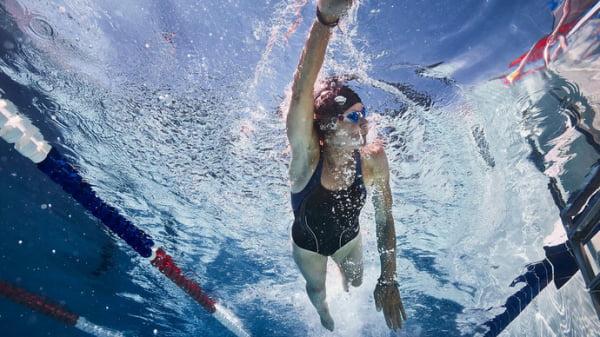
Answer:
[(331, 169)]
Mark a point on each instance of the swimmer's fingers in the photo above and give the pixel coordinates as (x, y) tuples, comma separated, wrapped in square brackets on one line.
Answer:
[(387, 298), (395, 304), (402, 311), (388, 314), (377, 297), (398, 318), (331, 9), (398, 308)]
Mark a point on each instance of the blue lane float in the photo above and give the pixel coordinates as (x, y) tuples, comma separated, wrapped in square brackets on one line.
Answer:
[(63, 173), (559, 265), (28, 141)]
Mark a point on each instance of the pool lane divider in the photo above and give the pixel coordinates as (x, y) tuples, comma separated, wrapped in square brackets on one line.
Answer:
[(559, 266), (29, 142), (585, 18), (53, 310)]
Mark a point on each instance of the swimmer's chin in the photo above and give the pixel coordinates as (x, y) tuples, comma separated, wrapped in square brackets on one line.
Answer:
[(348, 144)]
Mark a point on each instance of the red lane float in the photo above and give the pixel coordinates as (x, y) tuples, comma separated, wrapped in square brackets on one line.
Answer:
[(53, 310)]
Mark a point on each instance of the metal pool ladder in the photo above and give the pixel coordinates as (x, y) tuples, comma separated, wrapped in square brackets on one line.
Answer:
[(582, 221)]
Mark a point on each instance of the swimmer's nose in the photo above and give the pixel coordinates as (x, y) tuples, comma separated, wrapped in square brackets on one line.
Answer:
[(363, 124)]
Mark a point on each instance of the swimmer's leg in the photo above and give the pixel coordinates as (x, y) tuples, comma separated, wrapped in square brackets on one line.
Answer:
[(313, 267), (350, 260)]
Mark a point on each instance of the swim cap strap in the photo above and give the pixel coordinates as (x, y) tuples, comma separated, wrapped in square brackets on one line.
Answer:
[(325, 23)]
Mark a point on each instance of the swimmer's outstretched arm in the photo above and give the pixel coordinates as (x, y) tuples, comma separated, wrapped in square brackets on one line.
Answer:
[(387, 295), (300, 130)]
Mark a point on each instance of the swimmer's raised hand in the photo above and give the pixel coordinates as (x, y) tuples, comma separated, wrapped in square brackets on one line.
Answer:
[(332, 10)]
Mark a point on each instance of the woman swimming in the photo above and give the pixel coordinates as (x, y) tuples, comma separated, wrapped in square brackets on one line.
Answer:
[(330, 171)]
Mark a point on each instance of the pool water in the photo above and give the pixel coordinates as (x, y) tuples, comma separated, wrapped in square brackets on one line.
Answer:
[(174, 113)]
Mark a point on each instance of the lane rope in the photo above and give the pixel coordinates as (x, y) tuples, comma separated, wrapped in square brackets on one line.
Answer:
[(28, 141), (559, 266), (54, 310)]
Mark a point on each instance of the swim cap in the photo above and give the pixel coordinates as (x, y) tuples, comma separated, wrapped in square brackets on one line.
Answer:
[(334, 100)]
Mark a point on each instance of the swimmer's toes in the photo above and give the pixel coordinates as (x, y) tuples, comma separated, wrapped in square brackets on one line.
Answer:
[(327, 322)]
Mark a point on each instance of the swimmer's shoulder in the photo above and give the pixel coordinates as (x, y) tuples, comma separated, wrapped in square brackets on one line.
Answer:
[(303, 166), (374, 162)]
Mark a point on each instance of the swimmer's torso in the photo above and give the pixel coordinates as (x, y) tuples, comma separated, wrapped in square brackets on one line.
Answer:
[(326, 220)]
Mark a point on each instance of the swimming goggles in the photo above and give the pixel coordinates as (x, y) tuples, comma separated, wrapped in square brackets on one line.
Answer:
[(354, 116)]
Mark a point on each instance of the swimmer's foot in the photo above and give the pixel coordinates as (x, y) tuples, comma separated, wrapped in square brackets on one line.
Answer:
[(327, 320)]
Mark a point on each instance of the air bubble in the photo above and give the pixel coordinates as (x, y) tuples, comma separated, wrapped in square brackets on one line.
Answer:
[(41, 28)]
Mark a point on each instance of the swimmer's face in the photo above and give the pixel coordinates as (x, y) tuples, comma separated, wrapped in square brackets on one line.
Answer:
[(350, 128)]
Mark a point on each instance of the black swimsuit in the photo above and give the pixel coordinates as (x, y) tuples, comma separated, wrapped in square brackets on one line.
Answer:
[(326, 220)]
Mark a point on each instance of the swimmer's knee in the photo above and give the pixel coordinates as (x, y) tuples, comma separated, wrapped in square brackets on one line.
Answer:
[(357, 277), (357, 280)]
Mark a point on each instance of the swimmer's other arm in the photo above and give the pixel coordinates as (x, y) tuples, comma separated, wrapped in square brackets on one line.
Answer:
[(387, 296)]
